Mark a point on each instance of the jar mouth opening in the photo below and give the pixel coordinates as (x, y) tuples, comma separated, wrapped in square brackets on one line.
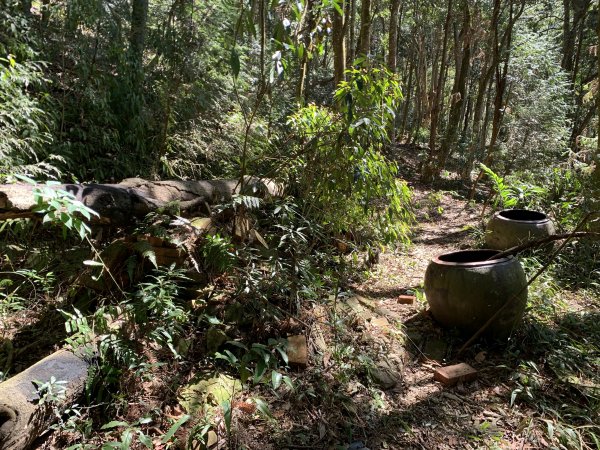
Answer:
[(471, 258), (523, 215)]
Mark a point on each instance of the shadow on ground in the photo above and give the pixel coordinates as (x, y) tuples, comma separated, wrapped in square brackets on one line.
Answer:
[(549, 370)]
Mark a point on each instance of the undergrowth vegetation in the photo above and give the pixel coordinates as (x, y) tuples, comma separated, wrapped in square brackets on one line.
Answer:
[(188, 318)]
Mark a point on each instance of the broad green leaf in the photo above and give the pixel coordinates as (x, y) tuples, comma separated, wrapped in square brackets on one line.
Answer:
[(145, 439), (169, 435), (25, 179), (114, 424), (227, 415), (127, 439), (288, 381), (276, 379), (262, 406), (259, 372)]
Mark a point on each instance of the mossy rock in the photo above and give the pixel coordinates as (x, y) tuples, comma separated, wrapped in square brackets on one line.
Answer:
[(204, 395)]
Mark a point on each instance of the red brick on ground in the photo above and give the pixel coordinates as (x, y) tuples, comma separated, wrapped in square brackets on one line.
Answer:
[(297, 351), (450, 375), (406, 299)]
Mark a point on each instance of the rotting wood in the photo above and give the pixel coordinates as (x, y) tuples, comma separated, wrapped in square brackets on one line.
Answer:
[(22, 416), (119, 204)]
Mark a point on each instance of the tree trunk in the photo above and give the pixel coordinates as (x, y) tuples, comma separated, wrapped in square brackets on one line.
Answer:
[(262, 19), (339, 45), (351, 32), (459, 91), (22, 418), (364, 37), (429, 166), (579, 10), (596, 172), (393, 35), (406, 102), (468, 110), (137, 39), (578, 115), (436, 68), (45, 13), (485, 83), (307, 48), (477, 130), (119, 203), (501, 50), (420, 88), (568, 38)]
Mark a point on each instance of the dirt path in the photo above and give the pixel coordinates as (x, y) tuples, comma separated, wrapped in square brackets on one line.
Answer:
[(421, 413), (354, 409), (424, 413), (444, 224), (345, 403)]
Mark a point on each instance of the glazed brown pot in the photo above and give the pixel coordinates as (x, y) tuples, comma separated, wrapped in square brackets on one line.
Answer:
[(512, 227), (464, 289)]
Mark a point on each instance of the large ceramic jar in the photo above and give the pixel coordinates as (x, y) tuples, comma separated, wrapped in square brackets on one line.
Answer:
[(513, 227), (465, 289)]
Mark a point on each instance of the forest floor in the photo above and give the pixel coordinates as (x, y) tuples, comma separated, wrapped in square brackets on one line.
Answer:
[(531, 392), (367, 379)]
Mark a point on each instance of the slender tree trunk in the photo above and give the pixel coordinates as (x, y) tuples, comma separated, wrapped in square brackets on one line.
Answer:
[(420, 88), (578, 116), (406, 102), (137, 39), (458, 91), (479, 130), (428, 168), (485, 83), (393, 35), (364, 37), (137, 42), (577, 61), (568, 39), (596, 172), (502, 50), (579, 9), (436, 69), (351, 32), (466, 114), (339, 45), (263, 38), (496, 122), (489, 111), (310, 22), (45, 13)]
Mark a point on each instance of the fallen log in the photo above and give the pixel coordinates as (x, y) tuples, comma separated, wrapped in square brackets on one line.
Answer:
[(119, 203), (23, 418)]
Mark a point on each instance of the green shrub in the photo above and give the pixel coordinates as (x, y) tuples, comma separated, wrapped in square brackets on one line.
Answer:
[(337, 163), (26, 120)]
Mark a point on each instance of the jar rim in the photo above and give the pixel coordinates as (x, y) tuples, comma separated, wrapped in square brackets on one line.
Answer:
[(522, 215), (471, 258)]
